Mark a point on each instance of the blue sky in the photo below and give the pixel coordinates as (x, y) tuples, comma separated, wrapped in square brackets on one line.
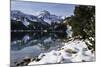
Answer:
[(35, 7)]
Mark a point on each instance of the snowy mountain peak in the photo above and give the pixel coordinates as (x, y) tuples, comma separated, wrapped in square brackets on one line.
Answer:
[(48, 17), (43, 14)]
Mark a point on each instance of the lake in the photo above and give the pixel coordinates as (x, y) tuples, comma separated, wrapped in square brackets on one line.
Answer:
[(31, 44)]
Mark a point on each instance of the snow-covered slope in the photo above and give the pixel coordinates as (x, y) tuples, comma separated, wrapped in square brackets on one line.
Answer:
[(72, 51), (20, 16)]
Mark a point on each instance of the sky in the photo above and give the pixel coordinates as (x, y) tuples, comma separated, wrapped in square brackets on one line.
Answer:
[(34, 8)]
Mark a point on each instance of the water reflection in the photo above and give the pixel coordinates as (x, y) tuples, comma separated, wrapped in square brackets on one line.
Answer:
[(31, 44), (21, 40)]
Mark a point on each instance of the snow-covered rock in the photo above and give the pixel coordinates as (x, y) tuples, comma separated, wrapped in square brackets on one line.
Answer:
[(91, 38)]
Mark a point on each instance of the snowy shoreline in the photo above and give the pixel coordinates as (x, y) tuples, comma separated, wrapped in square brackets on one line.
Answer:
[(73, 51)]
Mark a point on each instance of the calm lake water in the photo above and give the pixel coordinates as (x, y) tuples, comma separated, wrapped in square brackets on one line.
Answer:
[(31, 44)]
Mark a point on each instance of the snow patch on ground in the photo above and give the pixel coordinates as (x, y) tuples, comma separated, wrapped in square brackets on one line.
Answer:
[(88, 42), (69, 31), (25, 22)]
